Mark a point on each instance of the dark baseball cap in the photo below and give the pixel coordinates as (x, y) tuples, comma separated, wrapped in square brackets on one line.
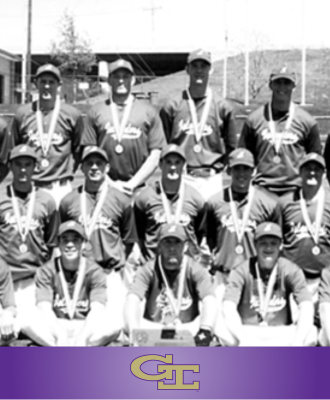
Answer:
[(173, 230), (199, 54), (241, 156), (285, 73), (89, 150), (49, 69), (172, 149), (71, 226), (120, 64), (312, 157), (268, 229), (23, 150)]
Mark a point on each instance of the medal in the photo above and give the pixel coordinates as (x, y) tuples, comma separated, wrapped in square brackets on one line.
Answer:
[(264, 299), (119, 148), (239, 249), (170, 217), (197, 148), (277, 159), (44, 163), (23, 248), (316, 250)]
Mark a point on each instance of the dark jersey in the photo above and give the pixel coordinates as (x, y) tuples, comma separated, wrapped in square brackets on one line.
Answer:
[(218, 136), (303, 137), (5, 147), (143, 133)]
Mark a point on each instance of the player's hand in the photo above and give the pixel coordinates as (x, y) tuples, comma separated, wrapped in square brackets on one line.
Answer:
[(7, 326), (124, 187), (203, 338)]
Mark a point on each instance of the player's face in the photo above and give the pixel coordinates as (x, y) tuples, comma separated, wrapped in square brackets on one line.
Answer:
[(171, 251), (22, 169), (312, 174), (282, 89), (95, 168), (70, 244), (172, 166), (199, 72), (268, 250), (47, 85), (121, 82), (241, 176)]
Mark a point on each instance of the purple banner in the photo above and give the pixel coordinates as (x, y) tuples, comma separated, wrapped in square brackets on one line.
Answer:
[(98, 373)]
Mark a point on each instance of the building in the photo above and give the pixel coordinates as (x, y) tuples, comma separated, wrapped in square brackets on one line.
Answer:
[(7, 77)]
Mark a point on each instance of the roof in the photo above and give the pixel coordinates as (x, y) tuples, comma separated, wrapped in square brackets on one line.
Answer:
[(9, 56)]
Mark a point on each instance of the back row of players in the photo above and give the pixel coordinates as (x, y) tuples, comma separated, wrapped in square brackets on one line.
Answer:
[(119, 147)]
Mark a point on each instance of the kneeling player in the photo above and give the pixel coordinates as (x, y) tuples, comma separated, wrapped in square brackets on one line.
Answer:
[(71, 296), (256, 304), (173, 284)]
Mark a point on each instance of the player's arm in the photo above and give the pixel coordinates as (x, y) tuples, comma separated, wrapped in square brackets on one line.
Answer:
[(48, 315), (326, 156), (200, 223), (52, 222), (95, 315), (77, 134), (166, 116), (313, 141), (247, 138), (229, 131), (211, 222), (127, 228)]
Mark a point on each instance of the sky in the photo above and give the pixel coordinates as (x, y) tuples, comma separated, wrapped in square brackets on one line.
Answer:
[(174, 25)]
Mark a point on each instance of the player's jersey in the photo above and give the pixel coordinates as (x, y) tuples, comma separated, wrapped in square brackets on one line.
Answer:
[(7, 296), (303, 137), (49, 288), (64, 150), (221, 234), (114, 227), (148, 284), (5, 146), (218, 136), (242, 289), (298, 242), (40, 240), (150, 215), (143, 133)]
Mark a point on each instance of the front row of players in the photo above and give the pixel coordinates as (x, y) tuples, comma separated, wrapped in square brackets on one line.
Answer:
[(173, 283)]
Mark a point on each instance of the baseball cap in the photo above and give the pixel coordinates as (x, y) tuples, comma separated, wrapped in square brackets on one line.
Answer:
[(283, 72), (49, 69), (172, 149), (312, 157), (71, 226), (120, 64), (268, 229), (172, 230), (94, 150), (23, 150), (199, 54), (241, 156)]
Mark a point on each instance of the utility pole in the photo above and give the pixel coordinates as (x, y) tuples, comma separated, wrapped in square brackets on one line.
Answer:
[(303, 55), (247, 61), (224, 86), (153, 10), (28, 51)]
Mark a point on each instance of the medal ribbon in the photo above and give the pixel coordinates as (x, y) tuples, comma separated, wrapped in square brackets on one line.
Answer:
[(119, 128), (23, 230), (89, 225), (199, 126), (278, 137), (264, 300), (45, 146), (72, 304), (246, 213), (315, 233), (172, 218), (176, 306)]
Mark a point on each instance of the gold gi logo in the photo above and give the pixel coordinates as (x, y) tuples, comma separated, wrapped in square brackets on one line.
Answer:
[(167, 372)]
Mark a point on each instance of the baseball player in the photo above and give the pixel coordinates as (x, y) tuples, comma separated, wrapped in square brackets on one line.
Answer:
[(28, 227), (173, 284), (168, 200), (8, 312), (54, 130), (202, 124), (108, 219), (129, 130), (279, 134), (71, 296), (256, 304)]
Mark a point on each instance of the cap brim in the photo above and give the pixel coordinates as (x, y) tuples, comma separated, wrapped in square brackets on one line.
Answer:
[(246, 163), (276, 77)]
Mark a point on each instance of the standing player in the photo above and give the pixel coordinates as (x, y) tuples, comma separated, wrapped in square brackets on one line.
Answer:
[(173, 285), (71, 297), (169, 200), (257, 300), (279, 134), (28, 227), (8, 312), (202, 124), (129, 130), (54, 130), (107, 216)]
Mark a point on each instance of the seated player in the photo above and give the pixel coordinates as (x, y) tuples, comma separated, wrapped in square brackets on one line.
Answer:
[(173, 284), (8, 321), (71, 297), (256, 304)]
